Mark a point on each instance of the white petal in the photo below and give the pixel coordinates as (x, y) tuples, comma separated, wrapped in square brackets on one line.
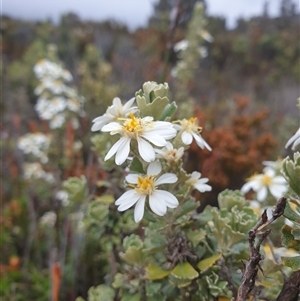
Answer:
[(203, 180), (170, 200), (279, 180), (297, 142), (98, 126), (117, 102), (155, 139), (277, 190), (166, 130), (115, 148), (196, 175), (132, 178), (246, 187), (294, 139), (146, 150), (128, 199), (157, 205), (127, 107), (139, 209), (166, 178), (123, 151), (154, 168), (201, 142), (262, 193), (113, 126), (186, 138), (202, 187)]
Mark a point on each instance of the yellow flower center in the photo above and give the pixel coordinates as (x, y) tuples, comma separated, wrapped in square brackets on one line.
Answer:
[(132, 126), (190, 125), (145, 185), (266, 180)]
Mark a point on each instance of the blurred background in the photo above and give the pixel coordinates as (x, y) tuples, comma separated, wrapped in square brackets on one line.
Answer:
[(232, 64)]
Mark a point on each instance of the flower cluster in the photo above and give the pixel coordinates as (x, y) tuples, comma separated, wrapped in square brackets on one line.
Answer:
[(35, 144), (56, 102), (157, 144), (269, 180), (35, 171)]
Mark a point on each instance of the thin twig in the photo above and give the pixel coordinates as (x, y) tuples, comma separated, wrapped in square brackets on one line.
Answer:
[(253, 264)]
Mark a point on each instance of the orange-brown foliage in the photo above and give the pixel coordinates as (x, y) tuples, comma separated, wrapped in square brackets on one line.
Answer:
[(238, 147)]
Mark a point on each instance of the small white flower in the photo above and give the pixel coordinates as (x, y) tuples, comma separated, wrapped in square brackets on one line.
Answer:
[(140, 129), (48, 219), (267, 181), (169, 153), (189, 129), (36, 144), (206, 36), (113, 113), (294, 140), (198, 183), (57, 121), (43, 108), (145, 188), (181, 46), (63, 197), (34, 171)]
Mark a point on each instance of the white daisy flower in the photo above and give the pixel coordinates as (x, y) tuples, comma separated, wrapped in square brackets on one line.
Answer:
[(140, 129), (36, 144), (198, 183), (145, 188), (34, 171), (57, 121), (267, 181), (294, 140), (189, 129), (113, 113), (169, 153)]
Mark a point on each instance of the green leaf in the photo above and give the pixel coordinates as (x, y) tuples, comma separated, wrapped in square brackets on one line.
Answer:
[(208, 262), (196, 236), (133, 256), (153, 109), (152, 288), (184, 271), (187, 207), (179, 282), (291, 171), (105, 199), (292, 262), (101, 293), (292, 210), (168, 111), (131, 297), (287, 238), (154, 272), (136, 166)]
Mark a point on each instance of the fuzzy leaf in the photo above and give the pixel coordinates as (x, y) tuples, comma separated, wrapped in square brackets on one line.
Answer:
[(292, 262), (288, 239), (154, 272), (131, 297), (154, 108), (133, 256), (101, 293), (292, 210), (208, 262), (179, 282), (291, 171), (105, 199), (184, 271)]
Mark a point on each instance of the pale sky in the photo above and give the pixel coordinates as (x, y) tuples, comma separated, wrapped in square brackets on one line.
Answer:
[(134, 13)]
